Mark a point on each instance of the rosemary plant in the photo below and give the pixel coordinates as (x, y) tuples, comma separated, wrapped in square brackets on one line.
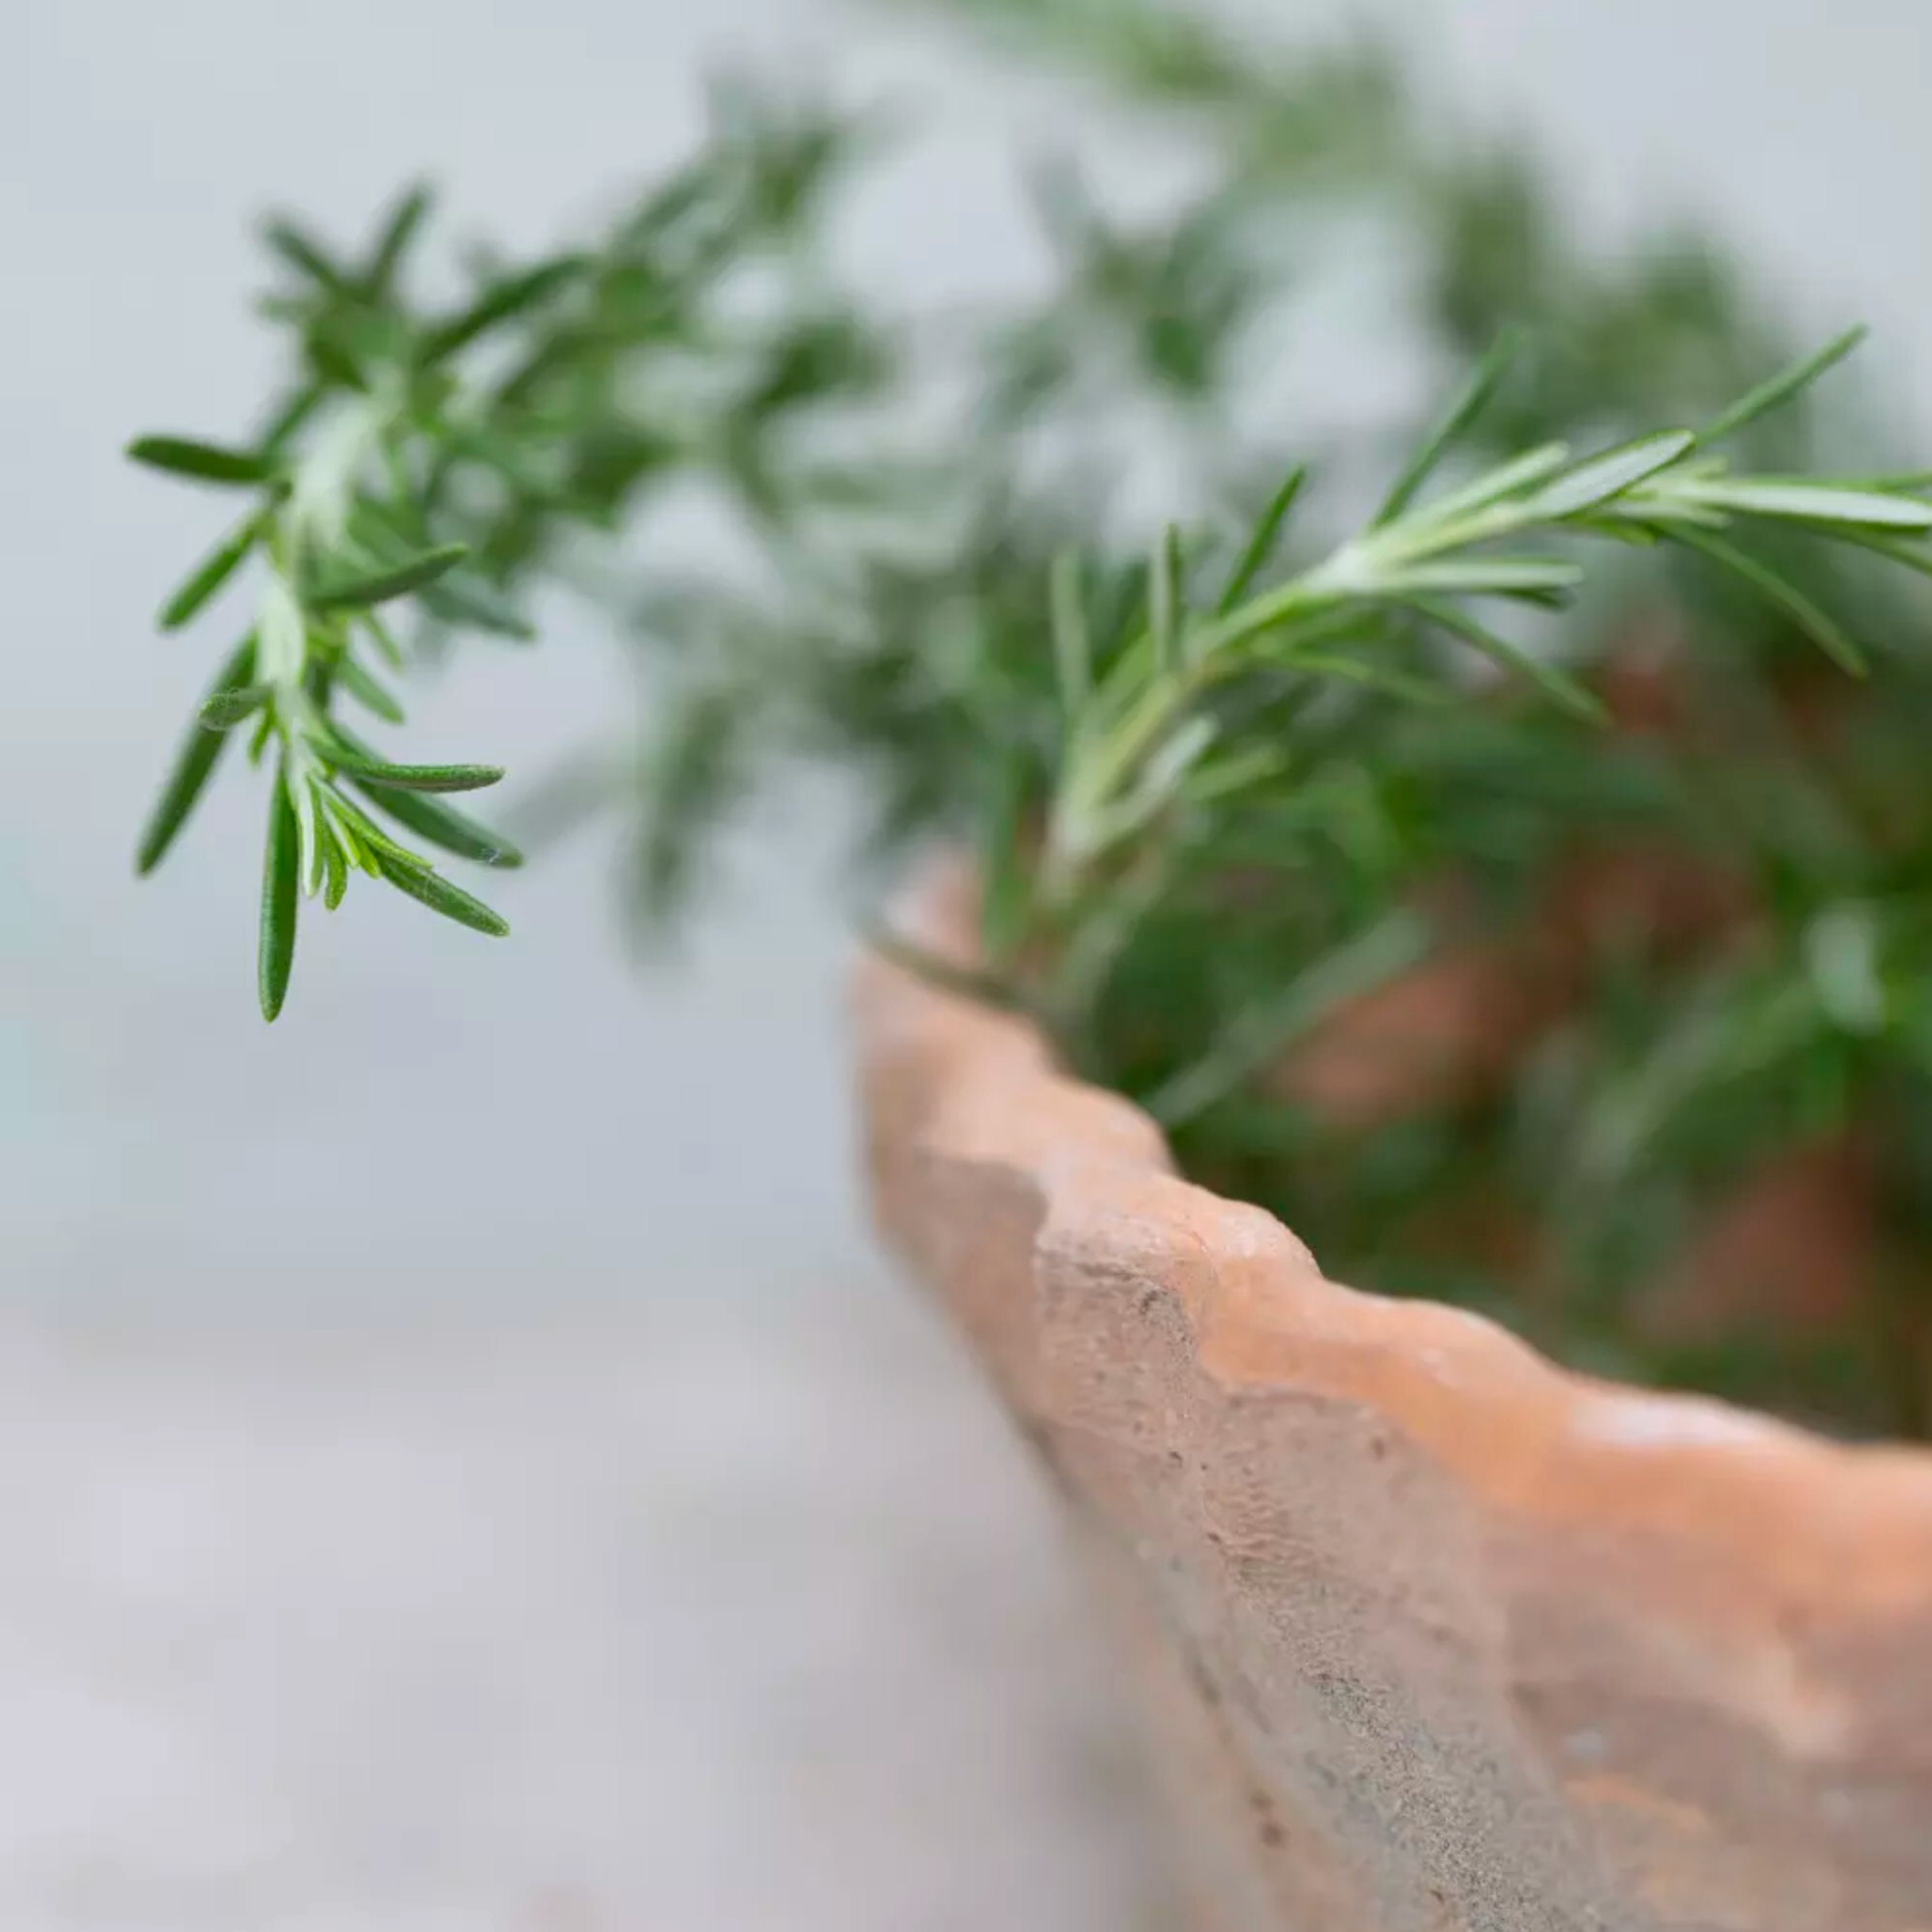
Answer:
[(1225, 786)]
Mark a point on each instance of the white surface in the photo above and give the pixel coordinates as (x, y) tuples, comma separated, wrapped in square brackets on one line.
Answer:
[(681, 1622)]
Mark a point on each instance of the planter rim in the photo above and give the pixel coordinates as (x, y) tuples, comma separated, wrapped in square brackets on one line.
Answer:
[(1807, 1520)]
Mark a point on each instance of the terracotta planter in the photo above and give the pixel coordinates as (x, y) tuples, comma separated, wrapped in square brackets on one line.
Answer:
[(1433, 1635)]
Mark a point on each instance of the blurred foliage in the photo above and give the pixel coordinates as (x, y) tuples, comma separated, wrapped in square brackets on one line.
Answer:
[(899, 605)]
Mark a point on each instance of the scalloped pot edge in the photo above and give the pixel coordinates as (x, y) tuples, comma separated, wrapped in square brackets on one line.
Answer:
[(1805, 1525)]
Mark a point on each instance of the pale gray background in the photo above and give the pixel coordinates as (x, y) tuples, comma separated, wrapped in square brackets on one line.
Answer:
[(460, 1467)]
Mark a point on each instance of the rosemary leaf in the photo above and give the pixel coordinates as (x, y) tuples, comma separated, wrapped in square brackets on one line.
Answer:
[(281, 896), (195, 766), (367, 691), (1073, 640), (1798, 501), (1264, 541), (1783, 387), (504, 302), (392, 244), (228, 709), (1554, 682), (212, 572), (1259, 1038), (420, 777), (1816, 624), (305, 255), (442, 824), (398, 581), (1598, 479), (1470, 403), (432, 889), (200, 462)]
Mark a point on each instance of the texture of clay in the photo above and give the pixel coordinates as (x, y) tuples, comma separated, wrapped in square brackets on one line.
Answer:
[(1432, 1634)]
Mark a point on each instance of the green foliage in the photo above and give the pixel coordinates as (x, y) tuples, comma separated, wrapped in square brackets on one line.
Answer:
[(445, 459), (1222, 781)]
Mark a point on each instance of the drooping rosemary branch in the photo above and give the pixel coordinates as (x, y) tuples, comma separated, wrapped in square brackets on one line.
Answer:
[(440, 459)]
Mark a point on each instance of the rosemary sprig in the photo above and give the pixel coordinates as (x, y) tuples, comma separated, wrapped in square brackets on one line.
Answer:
[(323, 584), (436, 460), (1144, 729)]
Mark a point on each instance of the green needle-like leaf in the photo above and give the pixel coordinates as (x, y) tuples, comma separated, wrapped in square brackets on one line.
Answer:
[(202, 462), (465, 598), (1782, 387), (195, 766), (283, 426), (1599, 478), (1899, 550), (305, 255), (366, 691), (356, 834), (309, 834), (1509, 479), (1533, 577), (421, 777), (281, 897), (1818, 625), (212, 572), (399, 579), (1794, 500), (432, 889), (392, 244), (336, 867), (1260, 1036), (1073, 640), (503, 303), (1165, 613), (1008, 881), (1372, 677), (334, 363), (429, 818), (442, 824), (225, 709), (384, 641), (1263, 544), (1554, 682), (1449, 429)]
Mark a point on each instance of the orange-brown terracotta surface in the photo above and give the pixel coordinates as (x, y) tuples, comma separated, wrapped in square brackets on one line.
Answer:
[(1434, 1634)]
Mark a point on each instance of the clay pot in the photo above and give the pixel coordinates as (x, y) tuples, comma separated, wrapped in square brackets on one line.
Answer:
[(1432, 1634)]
